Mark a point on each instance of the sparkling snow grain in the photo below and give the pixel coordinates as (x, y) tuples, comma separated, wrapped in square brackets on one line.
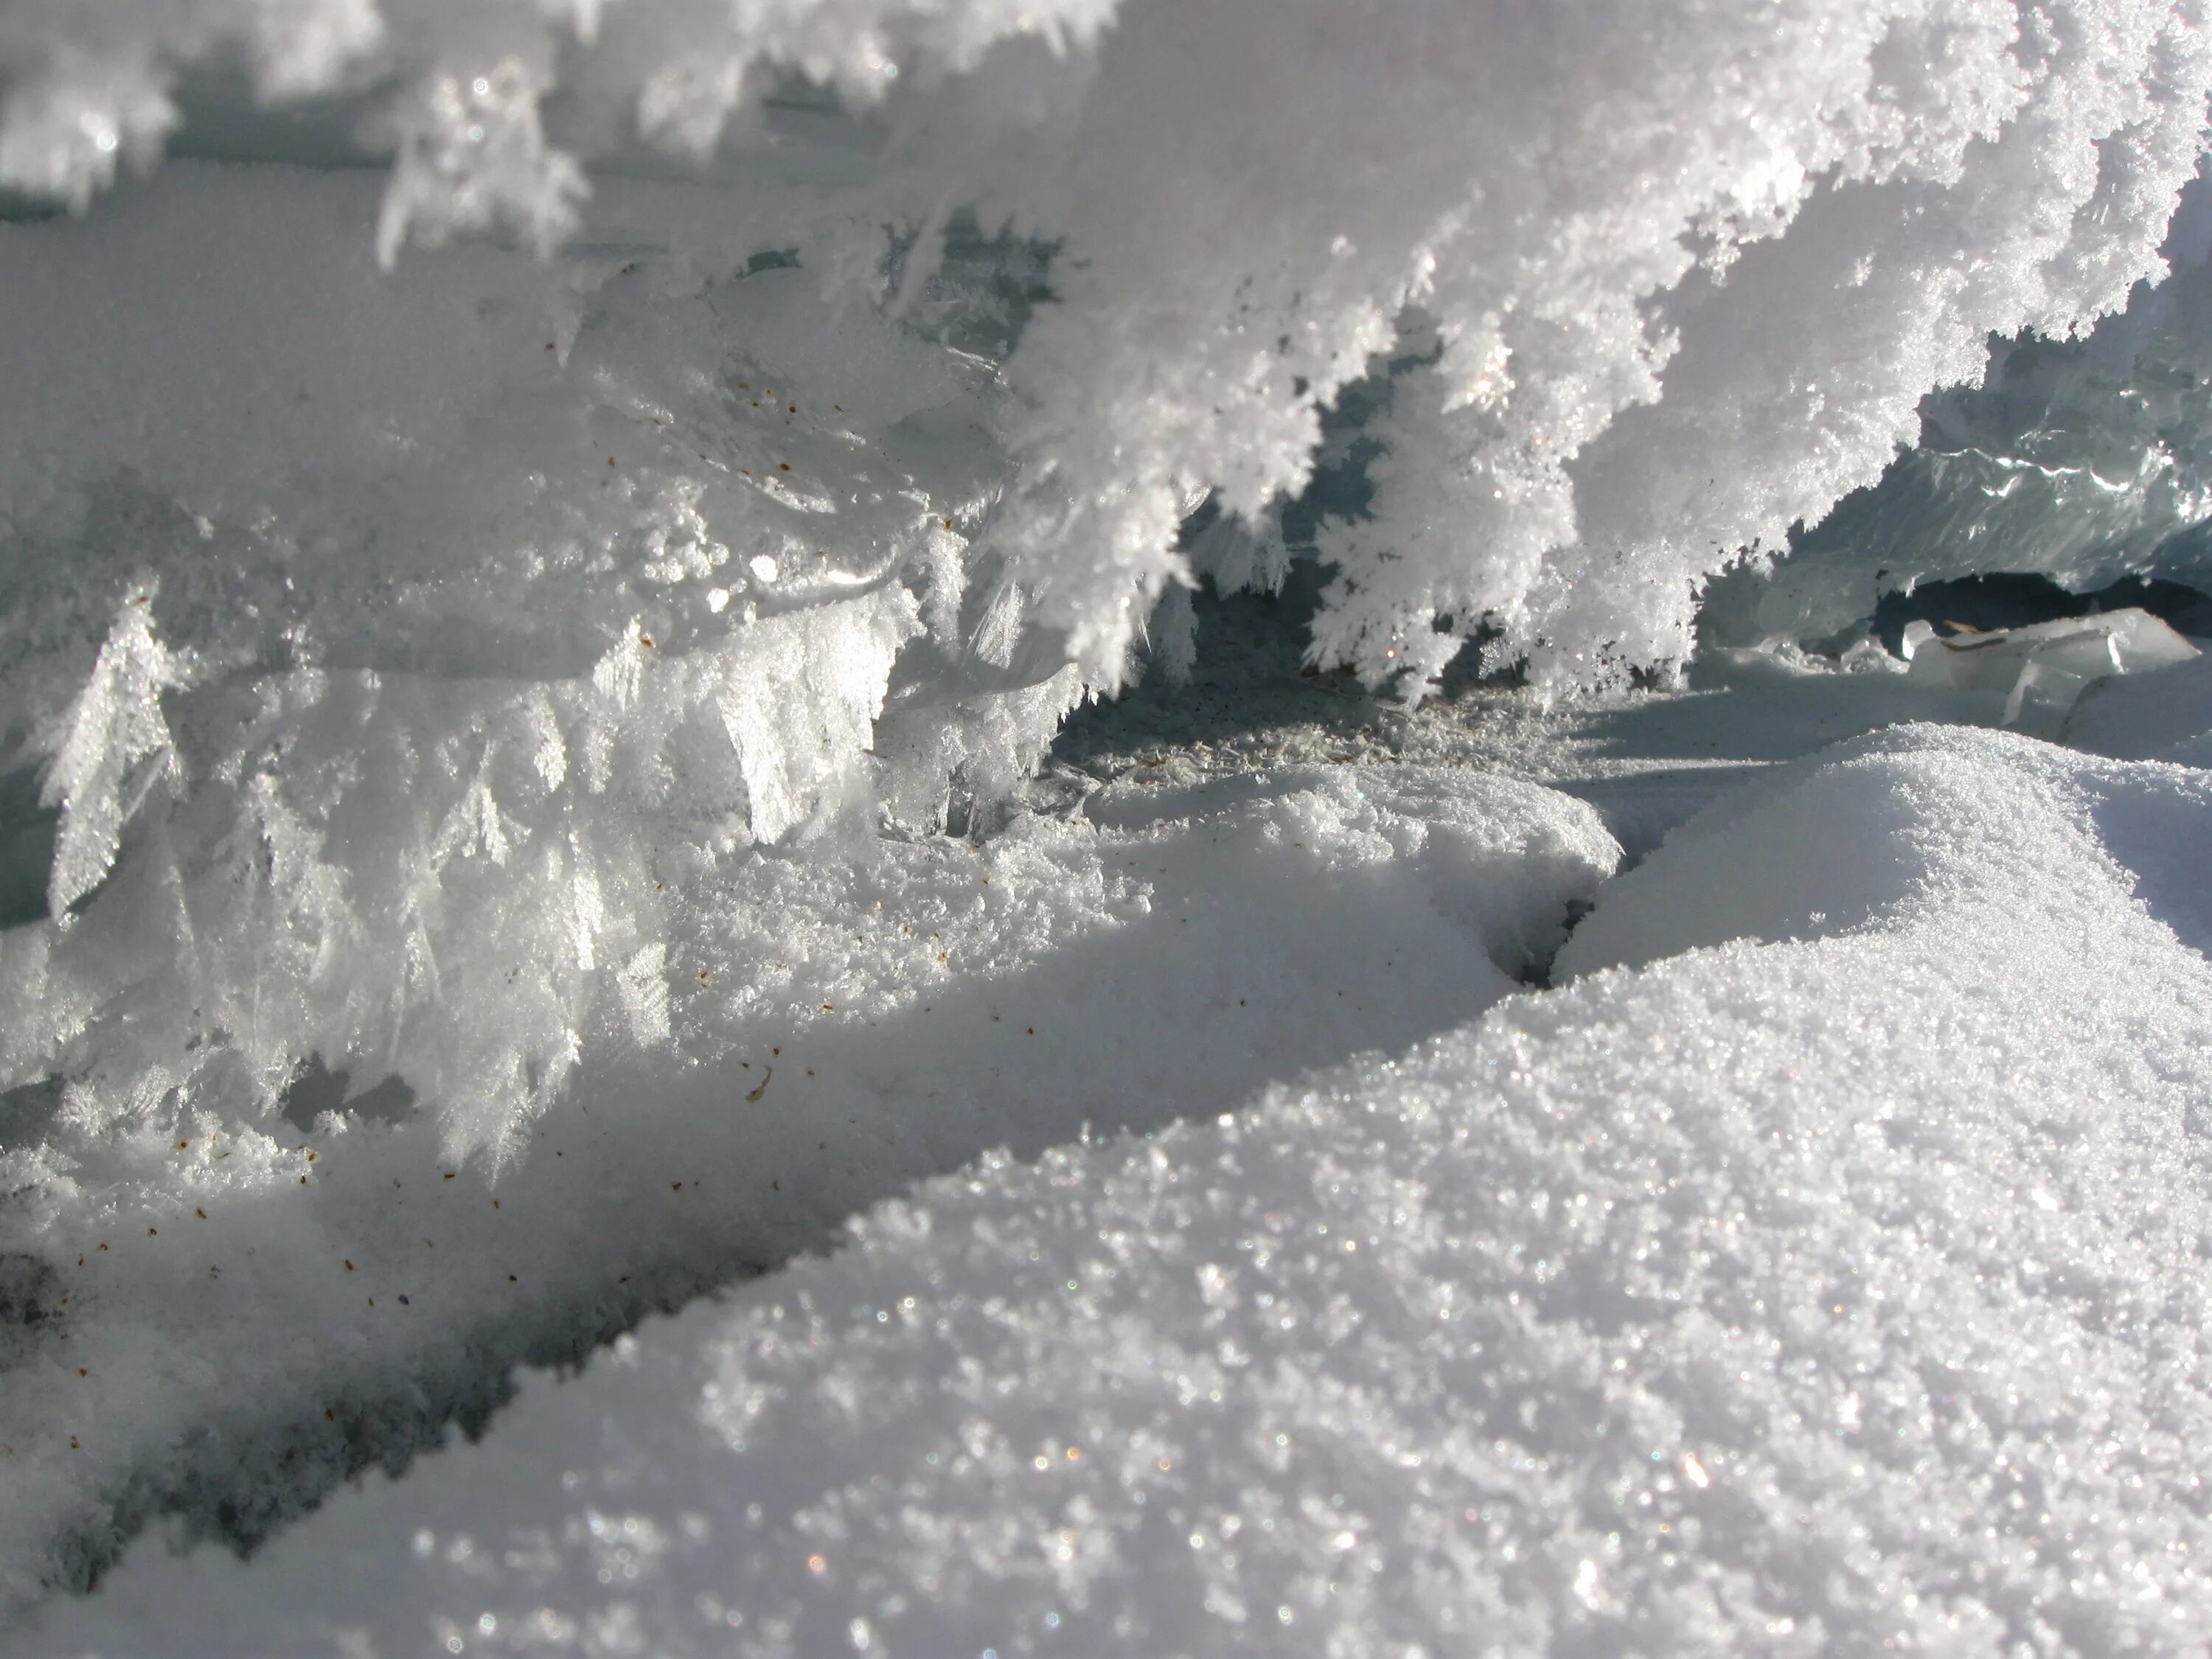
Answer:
[(1838, 1290)]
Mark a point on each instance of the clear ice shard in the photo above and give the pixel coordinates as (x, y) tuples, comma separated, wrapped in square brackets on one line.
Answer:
[(2043, 668)]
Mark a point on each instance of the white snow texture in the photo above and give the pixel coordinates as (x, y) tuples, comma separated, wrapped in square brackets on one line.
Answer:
[(1838, 1290), (500, 584), (542, 543)]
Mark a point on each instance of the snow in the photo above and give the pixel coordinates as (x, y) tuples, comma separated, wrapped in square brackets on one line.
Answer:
[(1816, 1272), (2081, 458), (293, 578), (471, 536), (558, 564), (209, 1292), (115, 724), (2146, 718)]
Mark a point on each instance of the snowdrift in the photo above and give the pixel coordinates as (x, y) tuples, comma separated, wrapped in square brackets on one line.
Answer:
[(224, 1322), (1833, 1288)]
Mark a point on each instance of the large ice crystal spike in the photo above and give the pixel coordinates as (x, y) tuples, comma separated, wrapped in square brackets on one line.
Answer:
[(109, 751)]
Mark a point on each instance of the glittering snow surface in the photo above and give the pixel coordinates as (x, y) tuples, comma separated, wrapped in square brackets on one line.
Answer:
[(223, 1323), (1837, 1288), (555, 567)]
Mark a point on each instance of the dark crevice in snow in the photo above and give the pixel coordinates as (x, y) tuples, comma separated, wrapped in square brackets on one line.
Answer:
[(30, 1296), (1249, 676), (318, 1088), (26, 1113), (240, 1482), (26, 848), (1537, 975)]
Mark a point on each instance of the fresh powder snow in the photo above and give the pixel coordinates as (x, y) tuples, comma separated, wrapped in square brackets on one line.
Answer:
[(1835, 1289), (995, 827)]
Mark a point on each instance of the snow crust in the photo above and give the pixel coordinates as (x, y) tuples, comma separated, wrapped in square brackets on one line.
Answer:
[(1819, 1272)]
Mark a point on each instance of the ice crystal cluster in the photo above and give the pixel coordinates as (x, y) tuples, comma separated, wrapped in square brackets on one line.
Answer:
[(716, 425), (2085, 459)]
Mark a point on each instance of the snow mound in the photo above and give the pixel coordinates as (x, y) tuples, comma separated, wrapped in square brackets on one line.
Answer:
[(224, 1320), (1835, 1290)]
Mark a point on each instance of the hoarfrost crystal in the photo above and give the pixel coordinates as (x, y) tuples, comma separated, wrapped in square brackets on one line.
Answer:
[(777, 417)]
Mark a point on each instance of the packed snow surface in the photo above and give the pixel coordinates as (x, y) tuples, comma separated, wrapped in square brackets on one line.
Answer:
[(225, 1321), (1820, 1271)]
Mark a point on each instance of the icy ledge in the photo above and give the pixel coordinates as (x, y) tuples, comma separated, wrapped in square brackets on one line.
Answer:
[(1837, 1289)]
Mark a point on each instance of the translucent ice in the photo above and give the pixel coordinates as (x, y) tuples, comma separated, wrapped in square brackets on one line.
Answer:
[(2043, 670)]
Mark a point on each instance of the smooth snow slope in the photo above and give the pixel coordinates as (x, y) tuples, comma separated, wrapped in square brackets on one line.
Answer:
[(1835, 1290)]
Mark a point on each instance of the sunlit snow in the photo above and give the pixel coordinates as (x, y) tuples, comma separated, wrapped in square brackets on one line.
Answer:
[(1835, 1290), (1143, 826)]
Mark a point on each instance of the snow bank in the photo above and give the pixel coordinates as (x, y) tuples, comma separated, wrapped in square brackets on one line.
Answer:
[(2153, 719), (223, 1321), (1834, 1289)]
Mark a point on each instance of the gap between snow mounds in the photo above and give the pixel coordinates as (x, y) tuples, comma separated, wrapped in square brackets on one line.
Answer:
[(1842, 1294), (1647, 761), (253, 1321)]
